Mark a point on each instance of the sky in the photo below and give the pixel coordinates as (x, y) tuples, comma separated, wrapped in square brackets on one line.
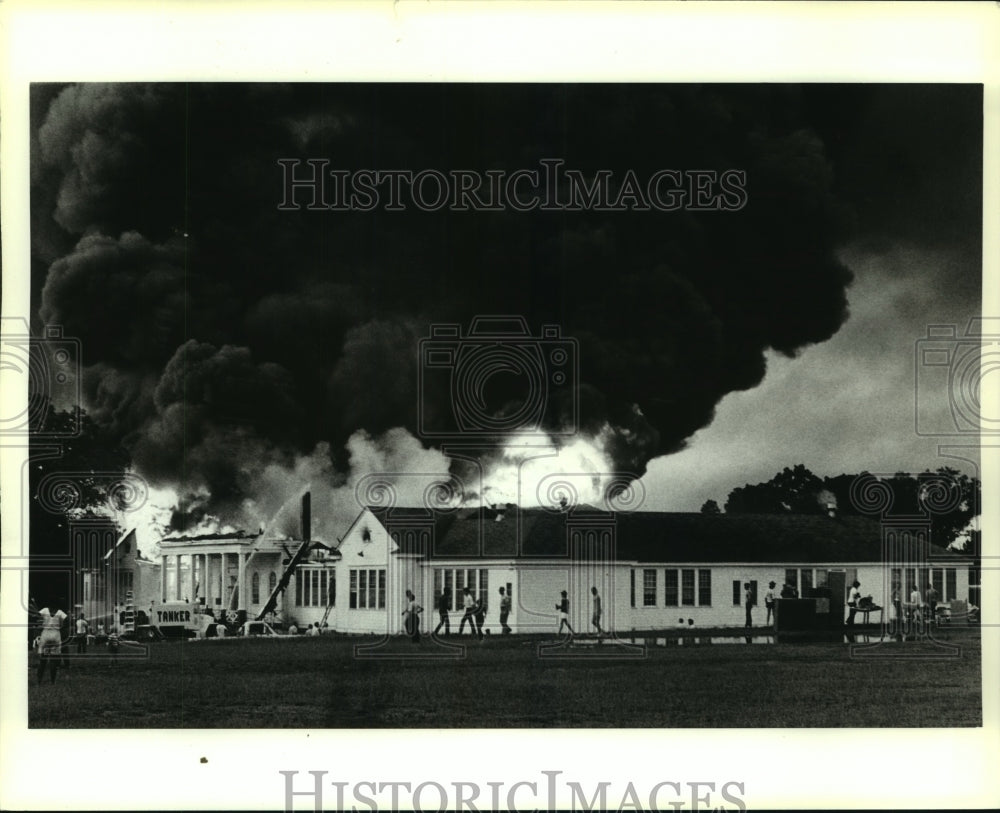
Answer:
[(244, 350)]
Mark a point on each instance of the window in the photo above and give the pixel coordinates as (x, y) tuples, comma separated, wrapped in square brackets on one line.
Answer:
[(951, 585), (367, 589), (649, 588), (272, 582), (255, 588), (822, 577), (705, 588), (670, 588), (632, 586), (937, 579), (687, 587), (792, 577), (807, 582), (737, 593), (753, 593), (484, 587)]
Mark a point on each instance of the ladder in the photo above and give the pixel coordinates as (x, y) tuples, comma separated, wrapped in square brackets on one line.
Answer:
[(297, 558), (129, 624), (326, 615)]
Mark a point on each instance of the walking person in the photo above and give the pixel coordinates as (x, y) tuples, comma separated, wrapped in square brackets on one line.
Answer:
[(563, 608), (769, 599), (412, 613), (853, 597), (595, 619), (50, 642), (748, 603), (915, 608), (81, 635), (470, 611), (442, 605), (480, 615), (504, 611)]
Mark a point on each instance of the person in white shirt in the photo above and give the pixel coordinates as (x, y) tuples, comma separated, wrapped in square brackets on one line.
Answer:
[(412, 613), (469, 605), (81, 635), (50, 642), (769, 599), (853, 597), (916, 604)]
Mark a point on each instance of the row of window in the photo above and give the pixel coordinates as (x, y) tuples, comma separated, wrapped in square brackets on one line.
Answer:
[(678, 587), (367, 589), (944, 579), (315, 588), (453, 582)]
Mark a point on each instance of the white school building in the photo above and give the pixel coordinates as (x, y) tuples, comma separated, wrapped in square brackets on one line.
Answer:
[(653, 570)]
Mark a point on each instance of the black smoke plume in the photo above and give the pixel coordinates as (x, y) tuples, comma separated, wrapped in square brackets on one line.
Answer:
[(221, 335)]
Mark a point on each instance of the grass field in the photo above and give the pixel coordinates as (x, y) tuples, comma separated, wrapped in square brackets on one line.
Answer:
[(320, 683)]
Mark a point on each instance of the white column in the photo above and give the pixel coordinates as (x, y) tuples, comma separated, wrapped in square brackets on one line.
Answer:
[(163, 577), (242, 577), (224, 579), (191, 595)]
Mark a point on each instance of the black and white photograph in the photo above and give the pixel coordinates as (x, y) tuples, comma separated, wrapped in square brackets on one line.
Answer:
[(420, 408)]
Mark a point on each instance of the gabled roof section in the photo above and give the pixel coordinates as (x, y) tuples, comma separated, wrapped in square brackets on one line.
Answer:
[(127, 540), (641, 536)]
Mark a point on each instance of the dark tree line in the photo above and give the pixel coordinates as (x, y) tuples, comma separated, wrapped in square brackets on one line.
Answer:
[(949, 498)]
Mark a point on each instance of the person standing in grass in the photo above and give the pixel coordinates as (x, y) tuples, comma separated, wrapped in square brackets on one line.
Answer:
[(563, 608), (442, 602), (769, 598), (595, 619), (932, 601), (81, 635), (50, 642), (916, 605), (504, 611), (748, 603), (412, 613)]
